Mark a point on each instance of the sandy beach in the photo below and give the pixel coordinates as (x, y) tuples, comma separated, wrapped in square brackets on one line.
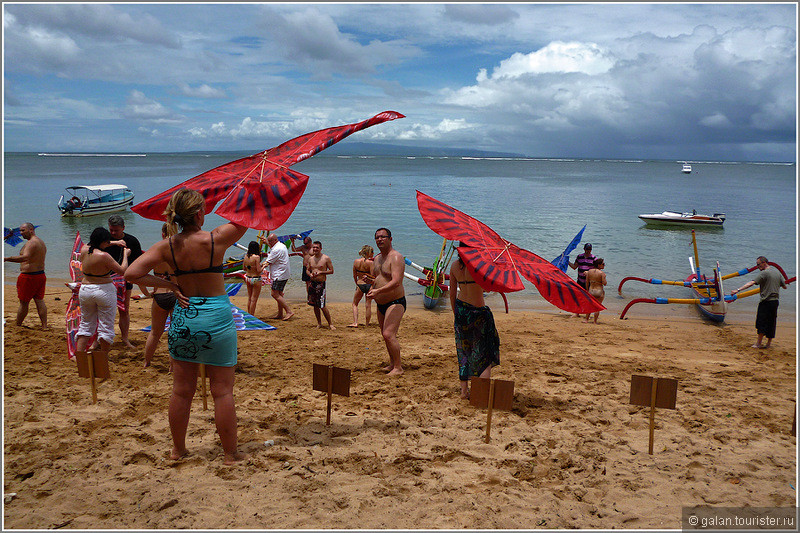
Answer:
[(403, 452)]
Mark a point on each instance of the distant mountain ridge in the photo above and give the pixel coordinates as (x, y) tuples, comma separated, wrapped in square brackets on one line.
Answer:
[(362, 148)]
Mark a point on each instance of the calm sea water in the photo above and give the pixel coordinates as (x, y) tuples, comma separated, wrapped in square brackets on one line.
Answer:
[(537, 204)]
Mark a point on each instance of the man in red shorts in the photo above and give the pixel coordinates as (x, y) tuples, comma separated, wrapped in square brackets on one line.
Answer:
[(31, 280)]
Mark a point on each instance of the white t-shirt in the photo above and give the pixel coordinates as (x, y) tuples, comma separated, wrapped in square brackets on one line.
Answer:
[(278, 259)]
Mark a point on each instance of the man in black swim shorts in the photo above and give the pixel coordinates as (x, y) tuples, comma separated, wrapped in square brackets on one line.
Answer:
[(390, 298)]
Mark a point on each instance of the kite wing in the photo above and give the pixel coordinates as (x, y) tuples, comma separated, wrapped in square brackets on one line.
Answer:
[(287, 239), (300, 148), (562, 261), (259, 191), (497, 264), (12, 236)]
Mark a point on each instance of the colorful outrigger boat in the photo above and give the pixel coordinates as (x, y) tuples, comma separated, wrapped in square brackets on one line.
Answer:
[(434, 280), (708, 292)]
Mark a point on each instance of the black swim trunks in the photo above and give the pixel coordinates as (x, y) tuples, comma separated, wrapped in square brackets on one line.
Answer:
[(382, 308)]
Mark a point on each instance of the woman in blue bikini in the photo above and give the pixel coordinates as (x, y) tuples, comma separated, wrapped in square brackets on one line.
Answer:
[(202, 329)]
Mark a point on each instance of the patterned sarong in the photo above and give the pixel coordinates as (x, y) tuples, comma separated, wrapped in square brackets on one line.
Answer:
[(477, 341), (204, 332)]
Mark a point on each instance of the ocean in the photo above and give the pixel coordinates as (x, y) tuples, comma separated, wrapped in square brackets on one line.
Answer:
[(538, 204)]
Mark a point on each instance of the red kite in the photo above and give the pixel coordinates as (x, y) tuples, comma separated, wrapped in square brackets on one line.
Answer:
[(496, 264), (260, 191)]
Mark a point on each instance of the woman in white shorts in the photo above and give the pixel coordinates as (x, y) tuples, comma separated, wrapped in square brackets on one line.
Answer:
[(98, 294)]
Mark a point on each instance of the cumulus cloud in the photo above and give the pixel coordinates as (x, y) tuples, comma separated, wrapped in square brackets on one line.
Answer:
[(41, 48), (717, 120), (709, 86), (139, 107), (99, 21), (313, 40), (482, 14), (202, 91), (433, 132), (588, 58)]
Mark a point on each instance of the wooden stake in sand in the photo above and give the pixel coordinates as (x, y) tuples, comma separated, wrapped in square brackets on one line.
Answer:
[(203, 386), (333, 380), (93, 365), (493, 394), (655, 392)]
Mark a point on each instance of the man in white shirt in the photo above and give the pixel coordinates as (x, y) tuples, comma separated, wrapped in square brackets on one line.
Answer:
[(278, 262)]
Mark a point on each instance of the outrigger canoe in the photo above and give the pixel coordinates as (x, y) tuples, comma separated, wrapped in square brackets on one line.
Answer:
[(708, 293)]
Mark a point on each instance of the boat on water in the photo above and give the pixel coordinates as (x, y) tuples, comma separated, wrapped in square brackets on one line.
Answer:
[(673, 218), (87, 200), (687, 168)]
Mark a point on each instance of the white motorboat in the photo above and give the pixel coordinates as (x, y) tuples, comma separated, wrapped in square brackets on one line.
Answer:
[(86, 200), (687, 168), (684, 219)]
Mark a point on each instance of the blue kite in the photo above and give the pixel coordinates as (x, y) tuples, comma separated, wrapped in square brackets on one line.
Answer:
[(12, 236), (562, 261)]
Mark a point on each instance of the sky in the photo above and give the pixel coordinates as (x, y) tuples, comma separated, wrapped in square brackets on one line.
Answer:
[(703, 82)]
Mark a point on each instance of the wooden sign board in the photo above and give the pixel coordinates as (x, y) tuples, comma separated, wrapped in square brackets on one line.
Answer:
[(99, 365), (653, 392), (503, 393), (332, 380), (340, 382), (492, 394), (642, 391)]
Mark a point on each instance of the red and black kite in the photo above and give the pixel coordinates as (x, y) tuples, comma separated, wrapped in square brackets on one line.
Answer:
[(497, 264), (260, 191)]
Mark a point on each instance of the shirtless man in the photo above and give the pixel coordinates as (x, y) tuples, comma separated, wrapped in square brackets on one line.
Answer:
[(304, 249), (31, 280), (390, 298), (319, 266)]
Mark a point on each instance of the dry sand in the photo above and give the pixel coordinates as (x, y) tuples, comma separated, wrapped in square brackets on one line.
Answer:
[(404, 452)]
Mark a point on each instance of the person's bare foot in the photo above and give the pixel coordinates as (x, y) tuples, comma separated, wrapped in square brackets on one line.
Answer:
[(331, 326), (128, 344), (756, 346), (465, 396), (396, 372), (176, 455), (287, 317), (388, 368), (276, 317), (352, 325), (235, 458)]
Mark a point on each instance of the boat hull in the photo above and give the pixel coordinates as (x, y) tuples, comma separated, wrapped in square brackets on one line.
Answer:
[(431, 297), (96, 210), (715, 311), (661, 220)]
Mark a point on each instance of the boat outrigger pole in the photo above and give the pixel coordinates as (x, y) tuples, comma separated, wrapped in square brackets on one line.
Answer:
[(710, 294)]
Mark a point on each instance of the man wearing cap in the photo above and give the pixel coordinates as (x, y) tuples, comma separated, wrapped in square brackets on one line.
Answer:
[(584, 263)]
